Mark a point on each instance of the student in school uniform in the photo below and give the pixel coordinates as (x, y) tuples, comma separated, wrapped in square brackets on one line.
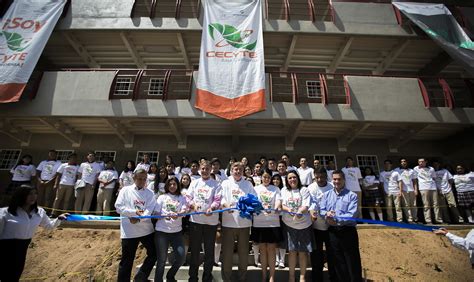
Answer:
[(372, 196), (395, 194), (286, 158), (126, 177), (144, 163), (184, 183), (204, 195), (183, 167), (426, 184), (330, 168), (159, 186), (195, 170), (64, 183), (354, 181), (18, 224), (136, 200), (88, 172), (169, 229), (46, 174), (257, 173), (296, 201), (217, 171), (305, 172), (22, 174), (235, 227), (444, 181), (266, 230), (272, 166), (464, 183), (282, 170), (320, 227), (408, 178), (107, 180), (151, 177), (281, 246)]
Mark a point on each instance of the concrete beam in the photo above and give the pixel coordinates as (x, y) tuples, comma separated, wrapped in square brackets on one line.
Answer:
[(292, 135), (80, 50), (404, 135), (391, 57), (178, 133), (340, 55), (132, 50), (235, 135), (184, 52), (289, 55), (16, 133), (64, 130), (346, 139), (121, 132), (437, 64)]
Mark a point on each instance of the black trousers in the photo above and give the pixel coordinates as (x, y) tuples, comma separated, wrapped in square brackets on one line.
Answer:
[(317, 257), (12, 259), (201, 233), (129, 249), (344, 243)]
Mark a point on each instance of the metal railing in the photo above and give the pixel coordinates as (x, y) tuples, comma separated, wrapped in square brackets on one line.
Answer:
[(166, 8)]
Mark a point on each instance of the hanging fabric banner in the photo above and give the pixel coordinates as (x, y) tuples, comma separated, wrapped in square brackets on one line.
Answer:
[(25, 29), (438, 22), (231, 80)]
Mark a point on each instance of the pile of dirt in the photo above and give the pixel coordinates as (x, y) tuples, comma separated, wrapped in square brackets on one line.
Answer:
[(70, 254)]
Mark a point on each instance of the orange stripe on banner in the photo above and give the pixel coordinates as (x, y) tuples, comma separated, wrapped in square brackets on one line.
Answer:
[(230, 108), (11, 92)]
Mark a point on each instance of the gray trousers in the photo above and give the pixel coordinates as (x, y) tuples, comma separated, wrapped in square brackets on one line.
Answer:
[(229, 235)]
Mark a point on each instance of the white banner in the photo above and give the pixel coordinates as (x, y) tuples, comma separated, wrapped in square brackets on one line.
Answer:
[(231, 81), (26, 27)]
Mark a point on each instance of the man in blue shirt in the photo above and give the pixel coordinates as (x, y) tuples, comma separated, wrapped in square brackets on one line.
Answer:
[(336, 206)]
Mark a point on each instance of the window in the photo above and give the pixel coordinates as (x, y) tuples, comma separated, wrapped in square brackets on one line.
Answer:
[(325, 158), (102, 156), (153, 156), (63, 154), (371, 161), (313, 88), (9, 158), (156, 86), (123, 86)]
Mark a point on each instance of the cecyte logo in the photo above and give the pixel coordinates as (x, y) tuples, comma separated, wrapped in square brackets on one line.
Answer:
[(231, 36)]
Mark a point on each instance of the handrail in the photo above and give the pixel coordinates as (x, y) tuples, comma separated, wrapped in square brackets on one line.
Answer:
[(324, 89), (294, 87), (136, 86), (448, 93), (424, 94), (112, 85), (166, 84), (287, 9), (347, 90), (177, 10), (153, 8), (312, 16), (270, 78)]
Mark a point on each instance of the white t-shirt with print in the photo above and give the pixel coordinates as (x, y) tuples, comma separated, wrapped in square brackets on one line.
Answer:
[(231, 192), (68, 174), (407, 175), (352, 175), (23, 172), (127, 178), (370, 180), (316, 192), (306, 175), (393, 180), (145, 166), (48, 169), (442, 180), (150, 181), (170, 204), (464, 182), (109, 175), (426, 178), (385, 179), (268, 196), (89, 171), (203, 193), (294, 199)]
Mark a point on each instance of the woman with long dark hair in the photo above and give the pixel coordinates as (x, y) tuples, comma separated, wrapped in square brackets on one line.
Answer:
[(18, 223), (22, 173)]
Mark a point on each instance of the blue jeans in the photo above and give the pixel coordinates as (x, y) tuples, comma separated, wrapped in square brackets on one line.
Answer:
[(162, 242)]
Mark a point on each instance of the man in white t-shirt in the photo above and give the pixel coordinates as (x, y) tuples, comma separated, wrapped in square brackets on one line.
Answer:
[(282, 171), (64, 183), (394, 193), (144, 164), (408, 178), (204, 195), (444, 181), (426, 184), (285, 157), (330, 168), (233, 225), (305, 172), (107, 181), (46, 178), (353, 182), (136, 200), (88, 172), (272, 166), (217, 171)]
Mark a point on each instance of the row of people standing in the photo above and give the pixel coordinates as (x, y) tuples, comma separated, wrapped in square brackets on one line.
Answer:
[(205, 194)]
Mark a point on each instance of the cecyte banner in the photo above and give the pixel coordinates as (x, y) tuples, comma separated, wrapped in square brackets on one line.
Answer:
[(25, 29), (231, 79)]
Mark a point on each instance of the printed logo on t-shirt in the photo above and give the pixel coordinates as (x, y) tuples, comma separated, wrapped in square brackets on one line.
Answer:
[(236, 194), (48, 168), (266, 197), (171, 205), (294, 203), (139, 204)]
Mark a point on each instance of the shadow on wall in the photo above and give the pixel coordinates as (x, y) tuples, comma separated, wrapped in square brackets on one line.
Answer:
[(355, 105)]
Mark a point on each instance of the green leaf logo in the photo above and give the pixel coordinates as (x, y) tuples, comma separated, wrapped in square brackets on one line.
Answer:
[(14, 41), (232, 36)]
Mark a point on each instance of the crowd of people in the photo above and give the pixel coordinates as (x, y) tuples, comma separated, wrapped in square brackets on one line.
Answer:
[(307, 209)]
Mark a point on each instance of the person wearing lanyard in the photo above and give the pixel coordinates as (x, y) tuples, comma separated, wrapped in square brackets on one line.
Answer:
[(18, 223), (336, 206)]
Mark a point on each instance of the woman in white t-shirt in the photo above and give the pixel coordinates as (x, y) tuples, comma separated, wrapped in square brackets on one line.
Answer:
[(107, 180), (22, 173), (185, 182), (159, 186), (298, 225), (18, 223), (126, 177), (281, 247), (464, 183), (373, 199), (184, 167), (151, 177), (266, 230), (169, 229)]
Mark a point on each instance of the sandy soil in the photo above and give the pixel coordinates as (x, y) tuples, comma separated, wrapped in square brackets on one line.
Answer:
[(387, 255)]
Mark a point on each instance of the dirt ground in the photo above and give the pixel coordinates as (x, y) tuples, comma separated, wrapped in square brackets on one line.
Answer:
[(70, 254)]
